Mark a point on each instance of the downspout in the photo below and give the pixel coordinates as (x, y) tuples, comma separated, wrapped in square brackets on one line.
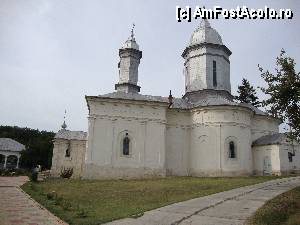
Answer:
[(220, 151)]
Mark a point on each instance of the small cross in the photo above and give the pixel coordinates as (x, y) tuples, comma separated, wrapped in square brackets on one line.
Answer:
[(132, 35)]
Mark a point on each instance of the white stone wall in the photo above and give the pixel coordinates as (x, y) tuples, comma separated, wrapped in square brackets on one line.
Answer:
[(75, 161), (278, 156), (212, 130), (266, 160), (178, 142), (171, 141), (285, 165), (109, 121)]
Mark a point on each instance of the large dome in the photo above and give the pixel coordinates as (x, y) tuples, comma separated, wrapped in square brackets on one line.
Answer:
[(205, 34)]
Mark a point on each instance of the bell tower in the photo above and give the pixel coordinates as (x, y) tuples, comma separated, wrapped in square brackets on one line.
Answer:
[(130, 56), (207, 65)]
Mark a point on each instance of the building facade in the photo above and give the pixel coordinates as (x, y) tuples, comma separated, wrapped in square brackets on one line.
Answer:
[(204, 133)]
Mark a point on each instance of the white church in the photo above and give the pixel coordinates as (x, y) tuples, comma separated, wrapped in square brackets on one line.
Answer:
[(204, 133)]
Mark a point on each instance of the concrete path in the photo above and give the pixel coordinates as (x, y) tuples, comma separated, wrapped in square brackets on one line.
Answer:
[(17, 208), (227, 208)]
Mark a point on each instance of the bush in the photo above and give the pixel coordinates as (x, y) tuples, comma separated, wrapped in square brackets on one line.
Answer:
[(52, 195), (13, 172), (34, 177), (66, 173)]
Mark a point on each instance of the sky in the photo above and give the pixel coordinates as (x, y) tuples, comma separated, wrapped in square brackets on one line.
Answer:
[(54, 52)]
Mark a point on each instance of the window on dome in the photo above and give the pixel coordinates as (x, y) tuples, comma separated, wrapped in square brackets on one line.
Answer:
[(214, 73)]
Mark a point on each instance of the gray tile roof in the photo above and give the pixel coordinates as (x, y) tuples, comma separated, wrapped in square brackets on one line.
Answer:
[(71, 135), (271, 139), (135, 96), (8, 144), (206, 99), (256, 110)]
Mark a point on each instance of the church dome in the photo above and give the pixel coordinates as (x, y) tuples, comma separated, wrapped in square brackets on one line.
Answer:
[(205, 34), (131, 43)]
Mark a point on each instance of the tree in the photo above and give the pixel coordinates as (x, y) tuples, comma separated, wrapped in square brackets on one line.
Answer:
[(247, 93), (283, 89)]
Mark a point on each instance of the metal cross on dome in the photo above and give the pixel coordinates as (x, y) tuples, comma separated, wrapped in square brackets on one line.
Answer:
[(132, 34), (64, 125)]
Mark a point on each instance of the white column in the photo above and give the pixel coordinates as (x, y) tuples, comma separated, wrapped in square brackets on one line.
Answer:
[(5, 160), (18, 162)]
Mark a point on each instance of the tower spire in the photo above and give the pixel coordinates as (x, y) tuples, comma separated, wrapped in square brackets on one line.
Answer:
[(130, 56), (64, 125)]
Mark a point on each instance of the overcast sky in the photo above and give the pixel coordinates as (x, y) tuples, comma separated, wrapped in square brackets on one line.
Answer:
[(53, 53)]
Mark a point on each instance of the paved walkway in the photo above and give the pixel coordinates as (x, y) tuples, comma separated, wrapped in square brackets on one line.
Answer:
[(227, 208), (17, 208)]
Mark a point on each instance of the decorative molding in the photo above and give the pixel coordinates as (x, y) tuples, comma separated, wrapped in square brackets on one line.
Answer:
[(114, 118)]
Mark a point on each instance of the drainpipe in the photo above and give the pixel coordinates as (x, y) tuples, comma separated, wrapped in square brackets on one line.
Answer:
[(220, 151)]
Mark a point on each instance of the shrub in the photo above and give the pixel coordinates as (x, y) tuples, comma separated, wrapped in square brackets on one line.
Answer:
[(34, 177), (13, 172), (51, 195), (66, 173)]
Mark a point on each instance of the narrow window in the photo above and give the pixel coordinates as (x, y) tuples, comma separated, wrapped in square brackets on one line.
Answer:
[(214, 73), (231, 150), (68, 151), (126, 142), (290, 156)]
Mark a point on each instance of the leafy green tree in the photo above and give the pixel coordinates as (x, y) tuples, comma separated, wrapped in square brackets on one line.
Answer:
[(283, 90), (247, 94), (38, 145)]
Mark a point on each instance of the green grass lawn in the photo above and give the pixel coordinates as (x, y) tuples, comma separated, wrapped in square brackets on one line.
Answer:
[(89, 202), (282, 210)]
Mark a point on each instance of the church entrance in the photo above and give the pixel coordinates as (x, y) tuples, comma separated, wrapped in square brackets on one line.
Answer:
[(267, 166)]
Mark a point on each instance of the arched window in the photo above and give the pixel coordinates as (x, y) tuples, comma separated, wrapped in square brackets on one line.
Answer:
[(126, 144), (232, 154), (68, 151)]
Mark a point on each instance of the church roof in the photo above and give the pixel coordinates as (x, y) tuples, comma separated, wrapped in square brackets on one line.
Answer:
[(205, 34), (182, 103), (135, 96), (271, 139), (71, 135), (256, 110), (8, 144)]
